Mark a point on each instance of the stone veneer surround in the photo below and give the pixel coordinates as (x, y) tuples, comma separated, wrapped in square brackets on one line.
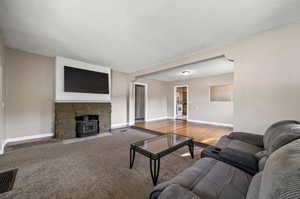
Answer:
[(65, 114)]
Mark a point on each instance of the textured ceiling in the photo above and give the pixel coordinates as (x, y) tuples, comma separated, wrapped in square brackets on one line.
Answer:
[(131, 35), (201, 69)]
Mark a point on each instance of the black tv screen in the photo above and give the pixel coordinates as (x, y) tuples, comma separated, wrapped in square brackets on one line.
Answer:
[(85, 81)]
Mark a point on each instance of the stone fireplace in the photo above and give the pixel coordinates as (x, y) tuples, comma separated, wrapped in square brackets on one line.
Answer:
[(66, 114)]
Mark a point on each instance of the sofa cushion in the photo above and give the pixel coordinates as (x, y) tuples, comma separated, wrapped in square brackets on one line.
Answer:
[(253, 191), (250, 138), (238, 145), (211, 179), (222, 179), (186, 178), (281, 179)]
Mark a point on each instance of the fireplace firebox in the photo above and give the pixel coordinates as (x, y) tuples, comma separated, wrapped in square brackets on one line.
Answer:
[(87, 125)]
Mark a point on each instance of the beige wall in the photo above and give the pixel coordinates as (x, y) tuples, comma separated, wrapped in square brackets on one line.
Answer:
[(119, 99), (267, 82), (29, 94), (2, 117), (266, 77), (157, 98), (199, 106)]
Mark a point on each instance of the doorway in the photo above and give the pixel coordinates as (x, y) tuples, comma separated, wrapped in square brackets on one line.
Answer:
[(140, 102), (181, 102)]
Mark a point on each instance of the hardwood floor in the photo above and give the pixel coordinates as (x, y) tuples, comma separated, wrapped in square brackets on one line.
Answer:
[(202, 133)]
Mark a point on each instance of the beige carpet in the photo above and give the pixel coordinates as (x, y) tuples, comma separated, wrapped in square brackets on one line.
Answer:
[(95, 168)]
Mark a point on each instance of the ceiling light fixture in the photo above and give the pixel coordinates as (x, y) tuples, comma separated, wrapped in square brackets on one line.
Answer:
[(186, 72)]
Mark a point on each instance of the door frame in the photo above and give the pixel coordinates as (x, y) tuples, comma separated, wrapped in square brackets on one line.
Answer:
[(146, 98), (187, 100)]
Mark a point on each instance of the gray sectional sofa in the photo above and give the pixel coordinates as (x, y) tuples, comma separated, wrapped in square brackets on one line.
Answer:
[(278, 152)]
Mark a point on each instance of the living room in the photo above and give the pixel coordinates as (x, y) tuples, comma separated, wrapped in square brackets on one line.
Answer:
[(71, 124)]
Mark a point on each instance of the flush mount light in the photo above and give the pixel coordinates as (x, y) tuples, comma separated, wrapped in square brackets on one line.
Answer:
[(186, 72)]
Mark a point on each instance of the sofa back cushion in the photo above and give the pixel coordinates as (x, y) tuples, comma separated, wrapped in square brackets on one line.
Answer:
[(281, 178), (290, 134), (281, 133)]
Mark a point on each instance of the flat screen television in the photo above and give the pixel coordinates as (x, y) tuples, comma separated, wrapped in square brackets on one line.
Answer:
[(85, 81)]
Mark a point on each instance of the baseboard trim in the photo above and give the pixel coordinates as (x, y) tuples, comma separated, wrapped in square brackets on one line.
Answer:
[(2, 147), (171, 118), (158, 118), (31, 137), (20, 139), (211, 123), (120, 125), (131, 123)]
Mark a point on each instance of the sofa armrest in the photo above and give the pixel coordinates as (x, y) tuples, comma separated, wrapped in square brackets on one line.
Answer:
[(176, 191), (239, 159), (249, 138), (158, 189)]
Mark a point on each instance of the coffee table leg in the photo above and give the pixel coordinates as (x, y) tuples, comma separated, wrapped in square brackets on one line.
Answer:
[(191, 148), (154, 169), (132, 156)]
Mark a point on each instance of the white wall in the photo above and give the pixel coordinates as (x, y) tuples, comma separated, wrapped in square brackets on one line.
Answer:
[(29, 95), (199, 106), (2, 117)]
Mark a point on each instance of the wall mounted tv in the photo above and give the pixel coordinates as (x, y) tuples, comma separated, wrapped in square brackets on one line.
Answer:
[(85, 81)]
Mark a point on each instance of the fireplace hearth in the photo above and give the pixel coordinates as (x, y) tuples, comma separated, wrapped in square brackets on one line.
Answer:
[(87, 125)]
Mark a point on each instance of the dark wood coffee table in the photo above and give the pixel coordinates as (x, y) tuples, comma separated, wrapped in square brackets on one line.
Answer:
[(157, 147)]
